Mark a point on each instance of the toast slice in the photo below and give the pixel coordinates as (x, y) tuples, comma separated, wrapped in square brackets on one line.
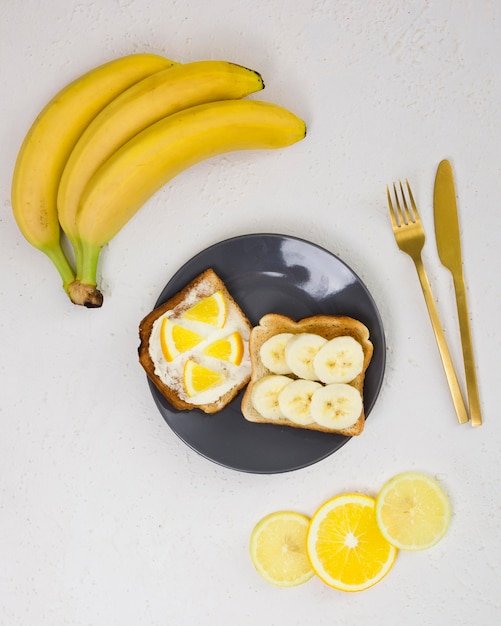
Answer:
[(168, 376), (327, 327)]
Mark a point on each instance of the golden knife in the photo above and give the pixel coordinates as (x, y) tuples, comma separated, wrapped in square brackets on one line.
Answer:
[(449, 250)]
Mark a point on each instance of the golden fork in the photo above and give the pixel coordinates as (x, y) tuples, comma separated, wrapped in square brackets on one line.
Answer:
[(410, 238)]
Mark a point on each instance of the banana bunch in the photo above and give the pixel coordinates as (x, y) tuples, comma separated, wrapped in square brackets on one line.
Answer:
[(112, 138)]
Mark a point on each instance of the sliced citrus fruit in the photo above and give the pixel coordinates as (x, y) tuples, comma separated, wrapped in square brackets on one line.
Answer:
[(412, 511), (176, 339), (278, 548), (345, 546), (210, 310), (229, 348), (198, 378)]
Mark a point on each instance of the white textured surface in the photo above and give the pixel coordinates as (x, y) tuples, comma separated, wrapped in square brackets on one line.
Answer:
[(106, 518)]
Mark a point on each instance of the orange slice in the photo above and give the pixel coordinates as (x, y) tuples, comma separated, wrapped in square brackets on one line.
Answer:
[(210, 310), (176, 339), (198, 378), (229, 348), (345, 546)]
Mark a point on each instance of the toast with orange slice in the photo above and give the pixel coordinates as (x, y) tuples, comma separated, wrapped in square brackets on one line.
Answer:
[(195, 346)]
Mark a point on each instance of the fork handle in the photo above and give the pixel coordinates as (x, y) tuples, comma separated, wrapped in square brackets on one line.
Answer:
[(450, 372)]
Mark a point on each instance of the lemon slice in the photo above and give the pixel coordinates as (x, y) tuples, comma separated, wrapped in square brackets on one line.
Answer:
[(412, 511), (198, 378), (175, 339), (229, 348), (278, 549), (210, 310), (345, 546)]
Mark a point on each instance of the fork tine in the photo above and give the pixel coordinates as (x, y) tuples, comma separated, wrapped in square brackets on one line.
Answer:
[(394, 222), (414, 207), (400, 215), (409, 218)]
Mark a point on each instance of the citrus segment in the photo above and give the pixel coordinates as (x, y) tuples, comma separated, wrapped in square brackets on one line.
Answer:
[(198, 378), (278, 549), (412, 511), (210, 310), (175, 339), (345, 546), (229, 348)]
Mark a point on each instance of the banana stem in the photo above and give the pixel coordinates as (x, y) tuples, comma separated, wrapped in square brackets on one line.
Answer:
[(83, 289), (77, 251), (87, 263), (58, 258)]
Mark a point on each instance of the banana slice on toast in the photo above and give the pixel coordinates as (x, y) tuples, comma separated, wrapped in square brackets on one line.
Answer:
[(339, 360), (294, 400), (300, 352), (272, 353)]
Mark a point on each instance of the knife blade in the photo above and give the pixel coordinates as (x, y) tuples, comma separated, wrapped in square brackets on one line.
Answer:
[(448, 238)]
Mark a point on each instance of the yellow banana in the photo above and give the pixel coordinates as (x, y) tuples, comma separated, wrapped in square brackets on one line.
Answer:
[(160, 152), (136, 108), (50, 140)]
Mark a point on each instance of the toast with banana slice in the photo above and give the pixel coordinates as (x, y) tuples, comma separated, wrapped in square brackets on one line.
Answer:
[(308, 373)]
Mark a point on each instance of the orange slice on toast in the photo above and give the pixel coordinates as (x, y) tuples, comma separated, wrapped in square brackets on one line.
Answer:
[(198, 378), (210, 310), (229, 348), (176, 339)]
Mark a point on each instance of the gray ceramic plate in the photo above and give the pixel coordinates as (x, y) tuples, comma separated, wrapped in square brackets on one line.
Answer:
[(269, 273)]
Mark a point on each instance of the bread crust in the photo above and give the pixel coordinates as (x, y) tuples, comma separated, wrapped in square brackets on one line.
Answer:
[(327, 326), (204, 285)]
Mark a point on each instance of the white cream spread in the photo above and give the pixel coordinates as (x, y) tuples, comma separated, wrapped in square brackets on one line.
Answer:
[(171, 372)]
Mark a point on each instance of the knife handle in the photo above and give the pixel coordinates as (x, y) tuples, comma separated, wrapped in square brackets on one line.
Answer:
[(467, 346), (450, 372)]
